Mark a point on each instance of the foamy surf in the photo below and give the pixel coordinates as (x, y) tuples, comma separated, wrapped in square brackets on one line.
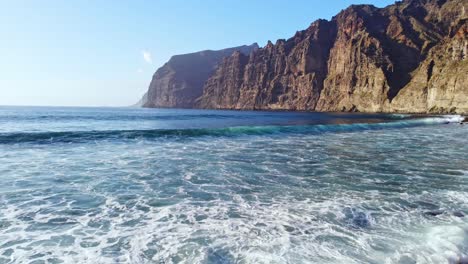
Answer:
[(447, 119), (389, 190)]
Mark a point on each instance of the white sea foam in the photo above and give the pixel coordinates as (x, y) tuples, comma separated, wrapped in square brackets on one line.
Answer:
[(374, 197), (452, 118), (288, 230), (443, 119)]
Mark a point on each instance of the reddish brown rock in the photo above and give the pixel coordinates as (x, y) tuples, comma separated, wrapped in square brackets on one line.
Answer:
[(407, 57), (285, 75), (180, 81), (440, 84)]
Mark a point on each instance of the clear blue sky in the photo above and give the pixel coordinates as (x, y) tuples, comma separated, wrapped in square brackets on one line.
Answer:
[(103, 53)]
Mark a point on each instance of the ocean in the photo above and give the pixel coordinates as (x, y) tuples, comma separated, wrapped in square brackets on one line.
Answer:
[(127, 185)]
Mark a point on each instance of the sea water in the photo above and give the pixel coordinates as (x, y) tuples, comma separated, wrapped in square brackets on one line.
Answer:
[(118, 185)]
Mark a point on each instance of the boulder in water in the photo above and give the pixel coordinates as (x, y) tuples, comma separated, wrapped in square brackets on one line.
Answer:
[(357, 218), (434, 213), (361, 220), (458, 214)]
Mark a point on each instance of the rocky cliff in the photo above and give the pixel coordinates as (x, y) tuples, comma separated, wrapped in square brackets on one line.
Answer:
[(180, 81), (407, 57), (285, 75)]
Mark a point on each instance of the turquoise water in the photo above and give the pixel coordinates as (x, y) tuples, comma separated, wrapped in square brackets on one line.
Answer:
[(110, 185)]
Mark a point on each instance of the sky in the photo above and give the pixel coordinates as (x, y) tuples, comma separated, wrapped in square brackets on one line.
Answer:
[(104, 53)]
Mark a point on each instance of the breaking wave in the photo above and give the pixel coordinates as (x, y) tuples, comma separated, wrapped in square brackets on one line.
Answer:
[(85, 136), (250, 194)]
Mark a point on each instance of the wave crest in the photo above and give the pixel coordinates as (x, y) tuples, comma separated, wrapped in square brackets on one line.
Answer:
[(85, 136)]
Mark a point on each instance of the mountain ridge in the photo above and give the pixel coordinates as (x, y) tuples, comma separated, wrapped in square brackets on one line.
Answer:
[(407, 57)]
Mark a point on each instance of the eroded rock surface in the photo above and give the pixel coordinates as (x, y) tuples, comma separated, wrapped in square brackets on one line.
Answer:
[(180, 81), (407, 57)]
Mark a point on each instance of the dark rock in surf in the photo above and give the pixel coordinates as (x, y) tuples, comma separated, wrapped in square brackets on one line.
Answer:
[(458, 214), (358, 219), (361, 220), (433, 213)]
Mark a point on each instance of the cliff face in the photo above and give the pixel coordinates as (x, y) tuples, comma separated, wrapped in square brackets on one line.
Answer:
[(399, 59), (287, 75), (180, 81), (440, 84), (407, 57)]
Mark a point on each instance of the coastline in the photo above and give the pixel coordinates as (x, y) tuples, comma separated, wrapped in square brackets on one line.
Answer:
[(464, 114)]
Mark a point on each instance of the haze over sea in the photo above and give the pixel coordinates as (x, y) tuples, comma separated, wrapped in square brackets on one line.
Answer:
[(123, 185)]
